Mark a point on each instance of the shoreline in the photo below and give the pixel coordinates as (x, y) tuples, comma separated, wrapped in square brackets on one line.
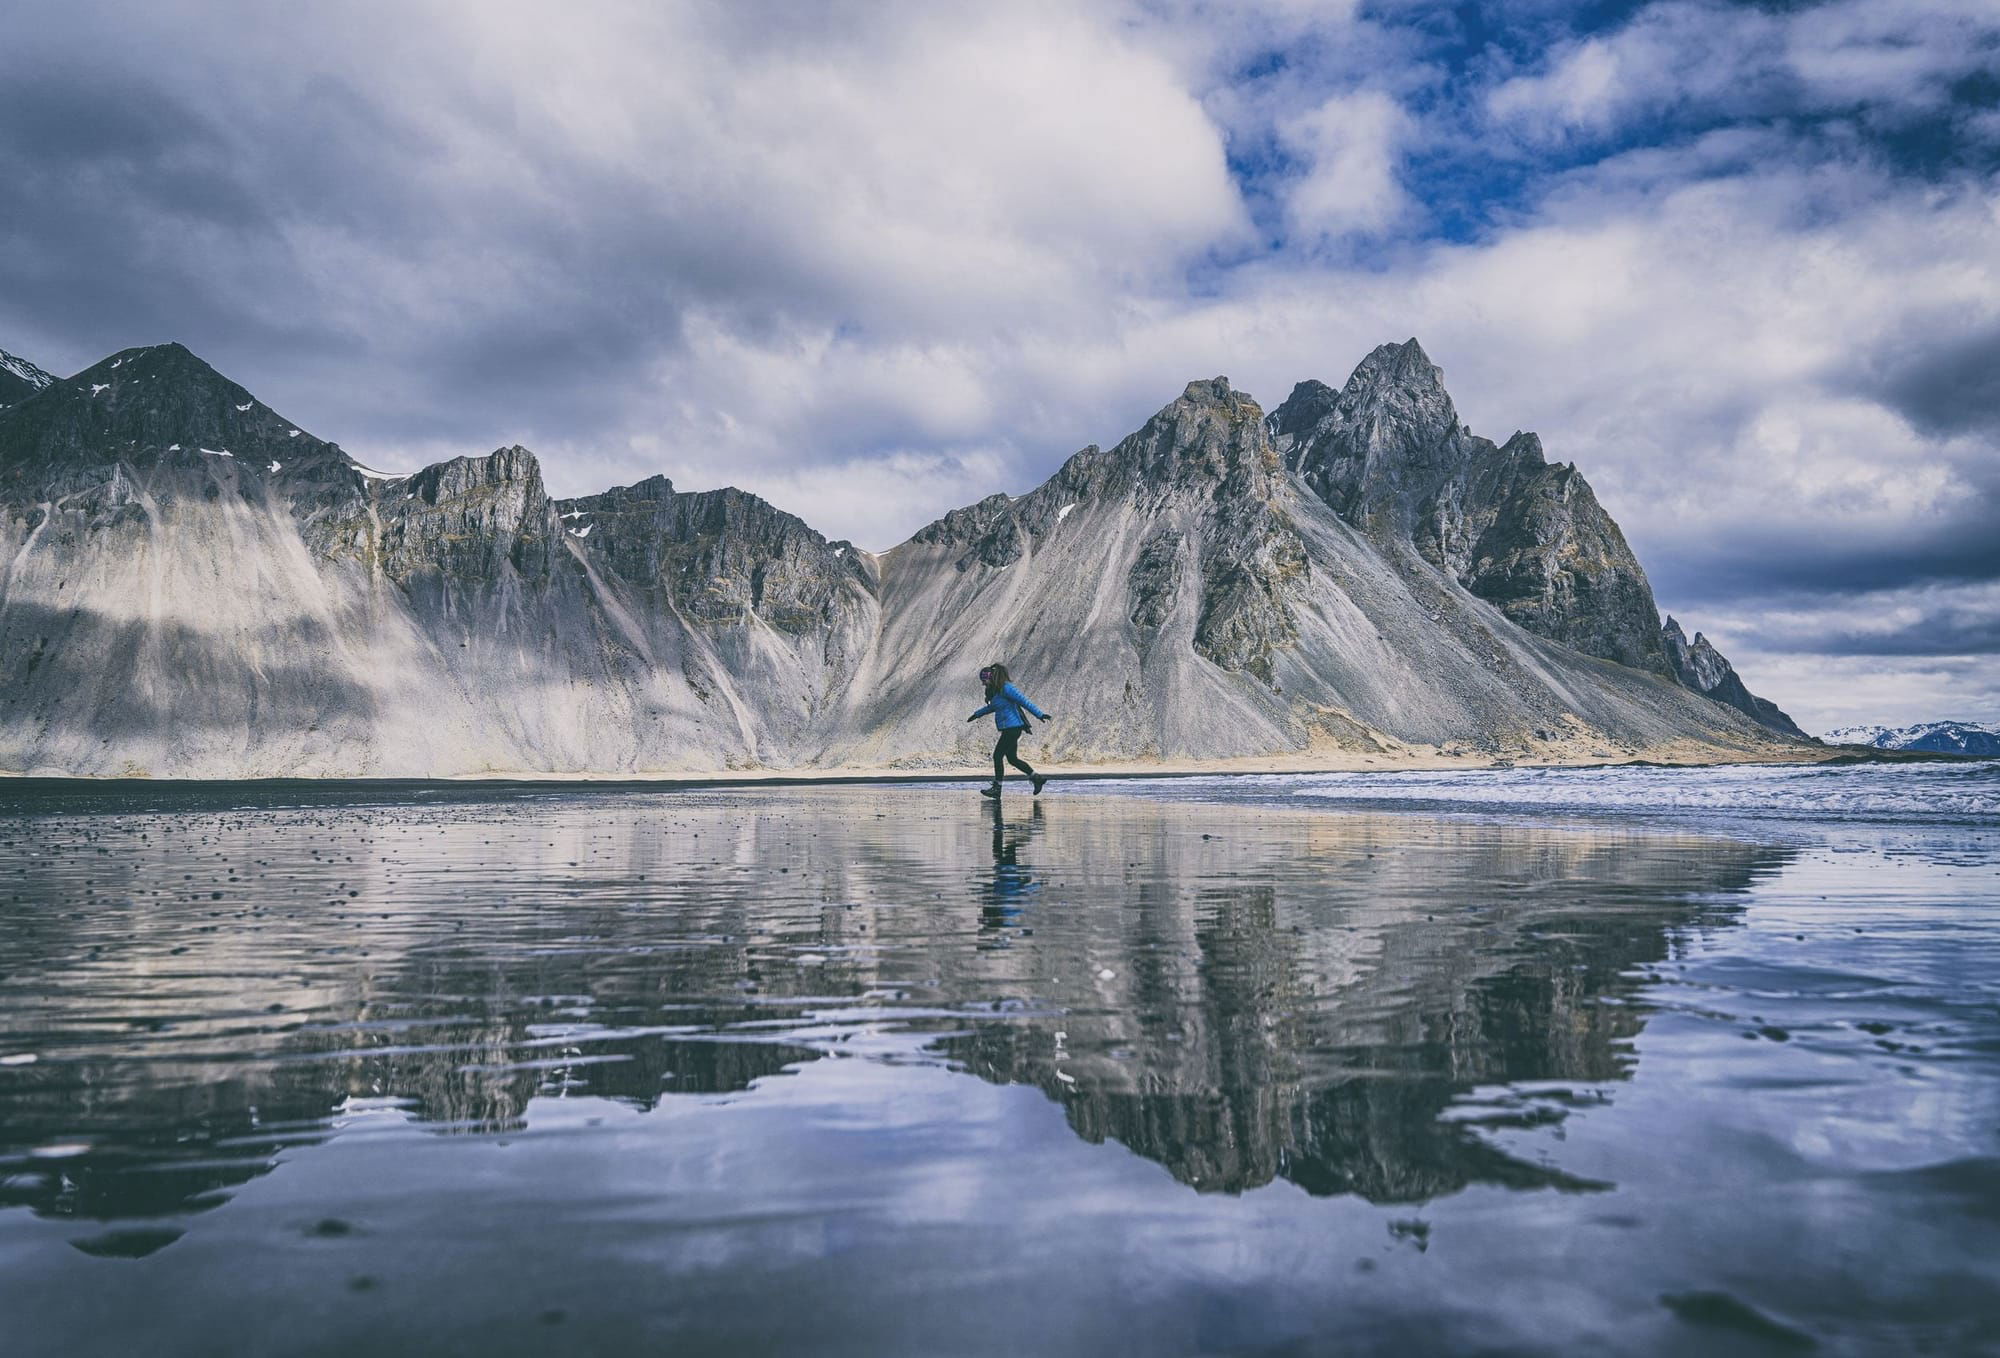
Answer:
[(1250, 766)]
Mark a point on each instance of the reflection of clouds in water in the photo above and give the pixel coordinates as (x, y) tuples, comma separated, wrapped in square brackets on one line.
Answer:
[(1245, 993)]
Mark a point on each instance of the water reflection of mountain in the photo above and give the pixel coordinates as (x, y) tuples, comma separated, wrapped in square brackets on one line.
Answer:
[(1313, 1017), (1243, 994)]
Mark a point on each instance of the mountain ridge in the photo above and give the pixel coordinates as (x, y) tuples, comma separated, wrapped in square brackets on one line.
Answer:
[(1980, 739), (1192, 592)]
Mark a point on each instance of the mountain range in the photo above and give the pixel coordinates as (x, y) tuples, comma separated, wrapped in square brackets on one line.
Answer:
[(195, 586), (1943, 737)]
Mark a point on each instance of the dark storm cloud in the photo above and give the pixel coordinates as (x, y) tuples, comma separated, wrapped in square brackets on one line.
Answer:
[(142, 217), (1801, 557), (1945, 632), (159, 190), (1950, 388), (95, 185)]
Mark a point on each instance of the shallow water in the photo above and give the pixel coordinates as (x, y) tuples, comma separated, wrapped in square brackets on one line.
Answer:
[(859, 1070)]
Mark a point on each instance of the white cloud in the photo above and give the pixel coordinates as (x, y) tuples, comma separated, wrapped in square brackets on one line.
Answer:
[(1735, 59), (1350, 145), (1824, 693), (1584, 89)]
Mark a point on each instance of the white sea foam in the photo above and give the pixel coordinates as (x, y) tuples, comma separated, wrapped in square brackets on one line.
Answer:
[(1947, 790), (1864, 791)]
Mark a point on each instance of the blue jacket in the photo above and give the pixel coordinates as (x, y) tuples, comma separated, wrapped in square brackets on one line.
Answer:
[(1007, 706)]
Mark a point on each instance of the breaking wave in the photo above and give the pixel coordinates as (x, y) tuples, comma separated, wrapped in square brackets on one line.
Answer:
[(1916, 791)]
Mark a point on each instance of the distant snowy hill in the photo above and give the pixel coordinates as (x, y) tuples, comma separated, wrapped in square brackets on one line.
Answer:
[(1947, 737)]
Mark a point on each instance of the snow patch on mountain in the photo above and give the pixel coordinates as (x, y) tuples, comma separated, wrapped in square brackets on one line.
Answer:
[(26, 371)]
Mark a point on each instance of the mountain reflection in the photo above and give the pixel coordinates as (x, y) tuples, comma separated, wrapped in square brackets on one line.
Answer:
[(1237, 992), (1307, 998)]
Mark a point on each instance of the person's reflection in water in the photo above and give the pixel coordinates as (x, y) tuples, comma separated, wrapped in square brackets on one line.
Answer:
[(1004, 898)]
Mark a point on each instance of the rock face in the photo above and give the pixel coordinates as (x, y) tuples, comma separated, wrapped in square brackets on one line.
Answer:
[(1388, 454), (1701, 667), (19, 379), (196, 587), (1941, 737)]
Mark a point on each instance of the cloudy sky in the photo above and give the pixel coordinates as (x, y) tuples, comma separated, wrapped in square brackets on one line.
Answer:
[(1740, 262)]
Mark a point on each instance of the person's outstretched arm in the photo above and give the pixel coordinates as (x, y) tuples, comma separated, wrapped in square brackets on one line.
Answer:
[(1022, 699), (985, 711)]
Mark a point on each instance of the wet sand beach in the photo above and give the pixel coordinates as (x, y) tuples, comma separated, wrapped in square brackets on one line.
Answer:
[(1656, 1063)]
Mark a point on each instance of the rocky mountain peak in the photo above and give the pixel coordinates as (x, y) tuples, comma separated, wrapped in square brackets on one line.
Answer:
[(1395, 399), (723, 557), (1404, 367), (155, 405), (1701, 667), (1525, 450), (1212, 434), (512, 469), (1696, 663), (168, 377), (1388, 454), (1216, 392), (464, 521), (1378, 449), (1300, 413)]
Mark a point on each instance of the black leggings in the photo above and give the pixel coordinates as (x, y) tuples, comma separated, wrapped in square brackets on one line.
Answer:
[(1006, 751)]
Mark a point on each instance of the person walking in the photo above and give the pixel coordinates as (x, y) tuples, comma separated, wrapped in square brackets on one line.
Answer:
[(1009, 708)]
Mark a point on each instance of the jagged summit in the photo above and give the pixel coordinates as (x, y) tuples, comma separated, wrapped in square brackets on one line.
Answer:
[(720, 557), (1216, 391), (1382, 447), (1397, 367), (1212, 433), (1526, 449), (1702, 668), (1388, 454), (1393, 404)]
